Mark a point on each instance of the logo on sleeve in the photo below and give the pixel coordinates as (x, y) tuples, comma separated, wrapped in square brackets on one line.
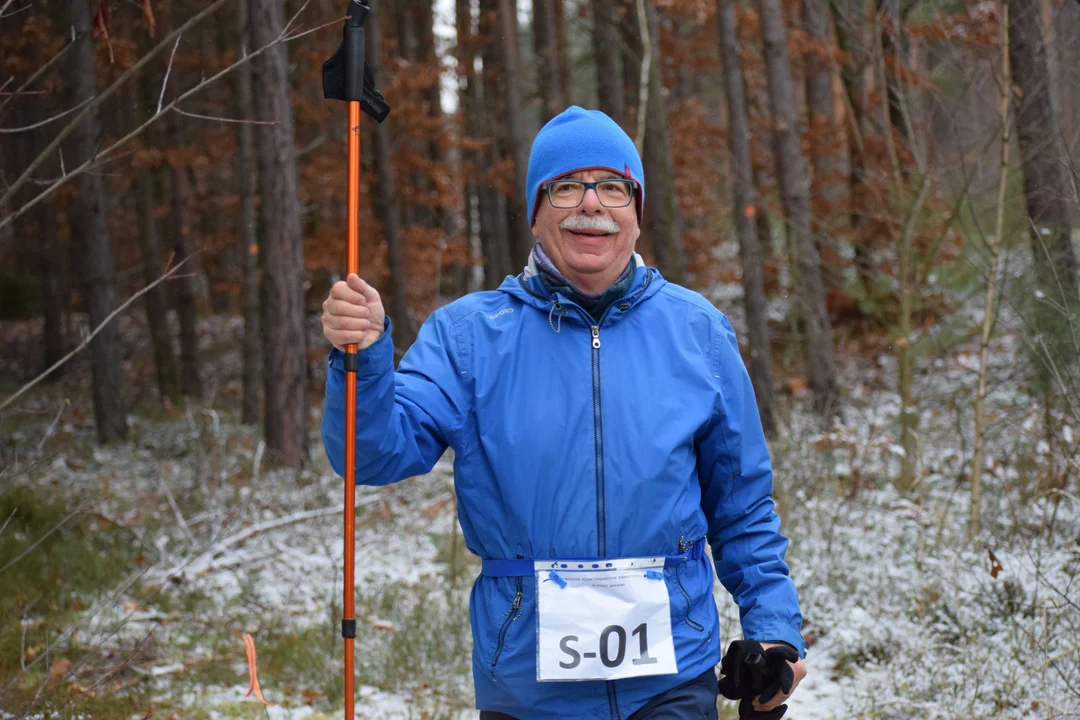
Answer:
[(504, 311)]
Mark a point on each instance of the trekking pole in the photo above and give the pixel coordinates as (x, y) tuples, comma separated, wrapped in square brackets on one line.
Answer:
[(346, 77)]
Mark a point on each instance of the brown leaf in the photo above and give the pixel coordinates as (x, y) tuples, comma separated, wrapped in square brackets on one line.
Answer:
[(796, 386), (59, 667), (995, 564)]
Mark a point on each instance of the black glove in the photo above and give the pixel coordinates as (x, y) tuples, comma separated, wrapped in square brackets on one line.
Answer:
[(751, 672)]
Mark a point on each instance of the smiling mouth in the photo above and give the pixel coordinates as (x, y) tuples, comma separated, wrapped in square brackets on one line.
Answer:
[(589, 233)]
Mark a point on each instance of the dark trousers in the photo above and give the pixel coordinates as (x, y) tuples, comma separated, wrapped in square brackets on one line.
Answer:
[(695, 700)]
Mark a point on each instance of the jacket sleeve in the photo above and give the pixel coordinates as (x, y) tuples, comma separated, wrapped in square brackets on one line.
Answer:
[(736, 496), (406, 419)]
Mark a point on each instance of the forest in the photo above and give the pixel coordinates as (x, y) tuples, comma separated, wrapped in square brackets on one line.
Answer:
[(881, 195)]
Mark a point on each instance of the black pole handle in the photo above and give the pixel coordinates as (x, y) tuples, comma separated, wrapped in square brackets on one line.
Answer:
[(345, 74), (354, 49)]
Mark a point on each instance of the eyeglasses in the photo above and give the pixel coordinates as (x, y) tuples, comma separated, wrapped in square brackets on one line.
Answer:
[(613, 193)]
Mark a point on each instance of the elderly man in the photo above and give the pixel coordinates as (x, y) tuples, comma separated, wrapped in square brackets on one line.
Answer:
[(604, 429)]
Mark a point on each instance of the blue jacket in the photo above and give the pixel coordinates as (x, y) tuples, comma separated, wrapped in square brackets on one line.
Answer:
[(634, 435)]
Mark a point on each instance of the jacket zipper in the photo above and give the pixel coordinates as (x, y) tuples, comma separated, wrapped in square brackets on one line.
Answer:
[(598, 442), (613, 702), (683, 547), (511, 616)]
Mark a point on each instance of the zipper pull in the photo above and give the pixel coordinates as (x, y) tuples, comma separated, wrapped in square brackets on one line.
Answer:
[(596, 337), (517, 602)]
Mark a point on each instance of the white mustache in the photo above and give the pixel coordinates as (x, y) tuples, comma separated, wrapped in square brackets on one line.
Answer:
[(590, 222)]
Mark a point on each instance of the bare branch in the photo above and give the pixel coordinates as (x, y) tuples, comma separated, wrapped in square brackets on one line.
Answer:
[(90, 336), (108, 92), (42, 539), (39, 73), (285, 30), (137, 131), (226, 120), (298, 35), (28, 468), (46, 121), (4, 526), (168, 71), (52, 426), (176, 509)]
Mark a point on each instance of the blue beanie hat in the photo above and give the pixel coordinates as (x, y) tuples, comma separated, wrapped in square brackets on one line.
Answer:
[(580, 139)]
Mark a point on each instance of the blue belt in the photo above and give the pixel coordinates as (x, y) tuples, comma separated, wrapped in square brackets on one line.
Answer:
[(522, 567)]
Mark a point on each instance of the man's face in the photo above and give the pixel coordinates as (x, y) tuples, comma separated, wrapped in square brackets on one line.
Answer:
[(591, 244)]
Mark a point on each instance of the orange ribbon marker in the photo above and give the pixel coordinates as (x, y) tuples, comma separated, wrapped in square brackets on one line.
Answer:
[(253, 670)]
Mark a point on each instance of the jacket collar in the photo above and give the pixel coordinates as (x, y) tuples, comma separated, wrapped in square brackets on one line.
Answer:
[(531, 291)]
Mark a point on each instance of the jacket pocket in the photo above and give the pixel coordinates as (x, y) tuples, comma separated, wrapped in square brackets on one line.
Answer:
[(686, 598), (509, 617)]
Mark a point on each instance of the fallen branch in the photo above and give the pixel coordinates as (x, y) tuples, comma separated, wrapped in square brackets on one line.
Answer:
[(223, 545)]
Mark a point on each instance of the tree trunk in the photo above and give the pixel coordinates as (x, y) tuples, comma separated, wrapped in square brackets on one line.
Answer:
[(157, 304), (52, 282), (465, 55), (662, 221), (850, 29), (147, 190), (562, 48), (791, 177), (285, 342), (609, 78), (441, 180), (745, 210), (49, 260), (826, 143), (1068, 34), (486, 100), (893, 51), (91, 218), (249, 233), (386, 207), (411, 212), (521, 240), (1046, 185), (184, 288), (631, 51), (990, 295), (545, 45)]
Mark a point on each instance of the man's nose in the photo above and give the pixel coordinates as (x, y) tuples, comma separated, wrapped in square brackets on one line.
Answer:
[(591, 202)]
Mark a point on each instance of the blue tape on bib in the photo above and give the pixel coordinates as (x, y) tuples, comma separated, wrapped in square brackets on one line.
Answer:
[(654, 574), (557, 578)]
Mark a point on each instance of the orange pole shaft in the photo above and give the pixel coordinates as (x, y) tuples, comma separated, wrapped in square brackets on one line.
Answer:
[(353, 266)]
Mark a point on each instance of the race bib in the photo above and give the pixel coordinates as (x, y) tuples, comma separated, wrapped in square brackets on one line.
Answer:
[(603, 620)]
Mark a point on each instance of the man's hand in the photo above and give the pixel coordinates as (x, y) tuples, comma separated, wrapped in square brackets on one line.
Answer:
[(353, 313), (799, 670)]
